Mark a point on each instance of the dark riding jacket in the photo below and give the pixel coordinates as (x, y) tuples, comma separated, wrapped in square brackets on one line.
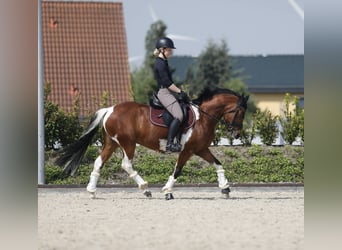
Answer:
[(162, 73)]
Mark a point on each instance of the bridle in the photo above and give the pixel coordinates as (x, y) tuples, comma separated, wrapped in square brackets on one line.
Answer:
[(229, 125)]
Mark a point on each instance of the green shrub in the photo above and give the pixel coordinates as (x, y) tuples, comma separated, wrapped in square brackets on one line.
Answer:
[(242, 164), (60, 127), (249, 132), (291, 120), (230, 152), (301, 124), (266, 124), (254, 150)]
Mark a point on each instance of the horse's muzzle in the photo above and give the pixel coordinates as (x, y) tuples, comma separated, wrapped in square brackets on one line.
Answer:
[(235, 134)]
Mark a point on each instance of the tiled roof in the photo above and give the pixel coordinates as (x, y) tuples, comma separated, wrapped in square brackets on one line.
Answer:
[(85, 53), (262, 74)]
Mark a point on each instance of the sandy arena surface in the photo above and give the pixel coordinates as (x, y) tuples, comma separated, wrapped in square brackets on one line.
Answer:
[(198, 218)]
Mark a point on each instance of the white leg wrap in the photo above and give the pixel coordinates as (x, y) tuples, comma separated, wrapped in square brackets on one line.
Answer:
[(140, 181), (127, 166), (169, 185), (222, 180), (94, 176), (97, 164)]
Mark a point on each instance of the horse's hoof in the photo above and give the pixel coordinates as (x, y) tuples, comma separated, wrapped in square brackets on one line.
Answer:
[(147, 193), (226, 196), (226, 192), (169, 196), (143, 186), (92, 195)]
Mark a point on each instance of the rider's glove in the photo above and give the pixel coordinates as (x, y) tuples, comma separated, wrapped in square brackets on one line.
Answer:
[(184, 96)]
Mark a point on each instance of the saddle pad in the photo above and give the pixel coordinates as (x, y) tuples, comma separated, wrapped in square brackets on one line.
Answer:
[(156, 117)]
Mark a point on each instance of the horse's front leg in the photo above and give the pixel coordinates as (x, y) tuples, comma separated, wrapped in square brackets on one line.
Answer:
[(222, 180), (168, 187)]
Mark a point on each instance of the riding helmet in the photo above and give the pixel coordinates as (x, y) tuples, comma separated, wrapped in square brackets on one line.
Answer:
[(165, 42)]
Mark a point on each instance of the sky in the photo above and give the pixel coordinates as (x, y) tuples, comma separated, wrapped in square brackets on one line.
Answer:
[(250, 27)]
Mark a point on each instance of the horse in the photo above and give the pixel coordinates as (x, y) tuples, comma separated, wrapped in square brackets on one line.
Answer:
[(127, 124)]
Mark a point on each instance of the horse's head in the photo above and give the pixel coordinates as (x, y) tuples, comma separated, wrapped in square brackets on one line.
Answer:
[(233, 116), (219, 103)]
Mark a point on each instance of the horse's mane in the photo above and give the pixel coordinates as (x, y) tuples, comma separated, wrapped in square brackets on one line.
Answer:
[(208, 93)]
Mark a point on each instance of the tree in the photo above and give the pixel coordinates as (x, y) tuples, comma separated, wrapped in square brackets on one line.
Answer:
[(156, 31), (211, 69), (143, 82)]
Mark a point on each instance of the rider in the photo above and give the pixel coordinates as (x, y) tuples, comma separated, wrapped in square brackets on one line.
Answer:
[(167, 89)]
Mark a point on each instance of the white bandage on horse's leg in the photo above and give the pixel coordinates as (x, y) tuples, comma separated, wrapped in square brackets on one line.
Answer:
[(222, 180), (169, 185), (140, 181), (94, 176), (91, 187), (127, 166), (97, 164)]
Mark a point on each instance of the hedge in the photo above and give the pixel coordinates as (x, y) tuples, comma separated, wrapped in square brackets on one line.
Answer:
[(252, 164)]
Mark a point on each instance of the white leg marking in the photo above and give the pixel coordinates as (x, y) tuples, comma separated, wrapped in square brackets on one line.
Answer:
[(169, 185), (127, 166), (222, 180), (94, 176), (91, 187), (97, 164)]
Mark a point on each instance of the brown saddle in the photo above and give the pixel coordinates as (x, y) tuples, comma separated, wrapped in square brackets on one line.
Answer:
[(156, 117)]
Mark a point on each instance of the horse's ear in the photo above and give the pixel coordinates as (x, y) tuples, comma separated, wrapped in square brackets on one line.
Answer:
[(245, 97)]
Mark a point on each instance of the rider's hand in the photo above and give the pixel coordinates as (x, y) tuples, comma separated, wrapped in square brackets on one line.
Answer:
[(184, 96)]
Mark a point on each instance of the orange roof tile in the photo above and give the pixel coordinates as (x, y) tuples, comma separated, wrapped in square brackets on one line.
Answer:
[(85, 52)]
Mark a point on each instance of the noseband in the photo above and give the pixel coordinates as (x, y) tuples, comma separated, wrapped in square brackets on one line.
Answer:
[(230, 125)]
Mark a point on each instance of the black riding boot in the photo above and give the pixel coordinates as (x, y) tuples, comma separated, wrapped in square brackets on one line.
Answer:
[(173, 130)]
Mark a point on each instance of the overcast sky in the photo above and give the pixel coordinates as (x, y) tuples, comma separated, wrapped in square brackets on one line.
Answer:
[(250, 27)]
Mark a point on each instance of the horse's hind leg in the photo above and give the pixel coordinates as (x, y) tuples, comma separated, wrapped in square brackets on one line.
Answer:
[(128, 151), (106, 153), (222, 180)]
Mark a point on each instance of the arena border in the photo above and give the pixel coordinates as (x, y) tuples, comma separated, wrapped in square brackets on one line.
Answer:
[(275, 184)]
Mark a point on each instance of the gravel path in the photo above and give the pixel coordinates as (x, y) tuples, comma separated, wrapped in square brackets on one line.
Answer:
[(198, 218)]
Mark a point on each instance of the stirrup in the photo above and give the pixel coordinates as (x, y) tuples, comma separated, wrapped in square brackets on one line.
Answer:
[(173, 147)]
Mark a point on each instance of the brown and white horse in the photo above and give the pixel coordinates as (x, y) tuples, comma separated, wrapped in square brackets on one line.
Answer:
[(127, 124)]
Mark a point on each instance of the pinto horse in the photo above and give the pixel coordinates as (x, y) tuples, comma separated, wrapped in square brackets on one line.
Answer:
[(127, 124)]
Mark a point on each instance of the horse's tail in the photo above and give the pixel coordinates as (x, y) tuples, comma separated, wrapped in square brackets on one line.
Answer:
[(71, 156)]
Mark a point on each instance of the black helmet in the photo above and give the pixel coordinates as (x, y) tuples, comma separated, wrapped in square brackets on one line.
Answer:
[(165, 42)]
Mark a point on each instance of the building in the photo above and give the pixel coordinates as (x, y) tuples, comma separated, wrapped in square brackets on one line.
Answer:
[(268, 78), (85, 53)]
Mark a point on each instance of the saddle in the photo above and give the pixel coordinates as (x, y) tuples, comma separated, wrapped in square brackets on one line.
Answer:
[(159, 116)]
